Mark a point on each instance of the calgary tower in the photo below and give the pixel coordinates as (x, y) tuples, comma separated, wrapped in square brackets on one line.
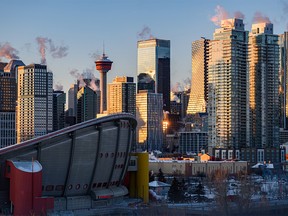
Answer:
[(103, 65)]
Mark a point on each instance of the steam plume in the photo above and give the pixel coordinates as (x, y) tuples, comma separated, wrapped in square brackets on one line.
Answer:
[(58, 86), (177, 87), (260, 18), (96, 55), (7, 51), (42, 48), (187, 83), (86, 78), (221, 14), (145, 33), (56, 51), (174, 97), (239, 15)]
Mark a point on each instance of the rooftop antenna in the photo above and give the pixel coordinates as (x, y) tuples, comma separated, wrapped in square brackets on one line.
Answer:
[(103, 48)]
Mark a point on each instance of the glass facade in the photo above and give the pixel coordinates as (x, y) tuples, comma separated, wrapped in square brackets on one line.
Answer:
[(8, 91), (86, 104), (199, 90), (153, 68), (59, 101), (72, 100), (149, 114)]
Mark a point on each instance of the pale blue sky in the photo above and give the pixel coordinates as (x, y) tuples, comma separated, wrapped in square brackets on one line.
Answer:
[(83, 25)]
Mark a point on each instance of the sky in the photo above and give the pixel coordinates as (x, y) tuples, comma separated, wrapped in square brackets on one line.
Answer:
[(73, 31)]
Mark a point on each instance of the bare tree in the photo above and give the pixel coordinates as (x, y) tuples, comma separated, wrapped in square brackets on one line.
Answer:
[(245, 191), (219, 182)]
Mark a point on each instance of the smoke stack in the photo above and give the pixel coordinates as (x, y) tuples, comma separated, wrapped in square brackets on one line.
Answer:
[(7, 51)]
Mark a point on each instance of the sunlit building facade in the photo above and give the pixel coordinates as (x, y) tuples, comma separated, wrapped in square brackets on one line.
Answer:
[(149, 115), (122, 95), (34, 102), (283, 78), (227, 70), (263, 86), (199, 89), (153, 68)]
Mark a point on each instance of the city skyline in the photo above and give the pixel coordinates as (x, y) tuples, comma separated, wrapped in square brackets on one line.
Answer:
[(74, 31)]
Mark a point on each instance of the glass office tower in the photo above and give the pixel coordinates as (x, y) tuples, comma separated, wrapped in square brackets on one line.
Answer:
[(153, 68)]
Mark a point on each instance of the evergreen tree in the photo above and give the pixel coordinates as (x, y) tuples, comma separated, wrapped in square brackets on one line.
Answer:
[(161, 176), (199, 190), (151, 176), (175, 192)]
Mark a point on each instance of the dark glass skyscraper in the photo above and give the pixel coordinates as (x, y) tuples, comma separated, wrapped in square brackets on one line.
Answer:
[(8, 93), (86, 104), (59, 101), (153, 68)]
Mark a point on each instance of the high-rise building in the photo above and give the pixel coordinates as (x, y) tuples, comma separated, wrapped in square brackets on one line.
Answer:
[(72, 100), (149, 116), (34, 102), (192, 142), (184, 100), (122, 95), (59, 101), (86, 104), (283, 78), (8, 91), (153, 68), (263, 86), (227, 70), (199, 90)]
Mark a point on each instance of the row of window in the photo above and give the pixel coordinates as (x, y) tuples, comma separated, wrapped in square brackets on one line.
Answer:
[(119, 154), (77, 186)]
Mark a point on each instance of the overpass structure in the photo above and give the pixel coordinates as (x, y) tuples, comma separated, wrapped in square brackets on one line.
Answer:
[(85, 162)]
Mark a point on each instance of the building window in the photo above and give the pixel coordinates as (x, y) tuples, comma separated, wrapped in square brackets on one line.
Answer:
[(59, 188), (49, 188)]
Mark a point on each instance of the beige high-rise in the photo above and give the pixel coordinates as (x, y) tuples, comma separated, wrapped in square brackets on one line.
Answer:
[(34, 102), (122, 95)]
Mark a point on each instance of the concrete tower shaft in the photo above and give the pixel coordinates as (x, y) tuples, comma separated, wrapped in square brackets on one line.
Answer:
[(103, 65)]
